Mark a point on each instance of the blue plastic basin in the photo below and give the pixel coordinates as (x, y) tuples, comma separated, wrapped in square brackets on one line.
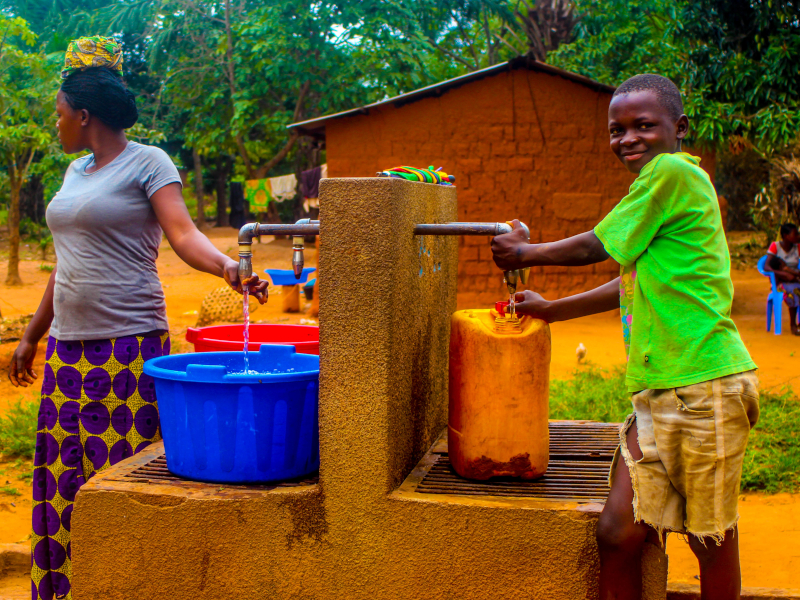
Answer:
[(222, 425), (286, 277)]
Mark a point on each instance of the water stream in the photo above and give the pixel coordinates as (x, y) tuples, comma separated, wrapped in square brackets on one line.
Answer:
[(246, 311)]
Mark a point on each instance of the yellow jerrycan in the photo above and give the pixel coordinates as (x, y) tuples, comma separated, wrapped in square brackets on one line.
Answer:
[(499, 395)]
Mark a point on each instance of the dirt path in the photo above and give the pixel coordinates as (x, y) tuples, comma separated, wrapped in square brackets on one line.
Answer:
[(770, 526)]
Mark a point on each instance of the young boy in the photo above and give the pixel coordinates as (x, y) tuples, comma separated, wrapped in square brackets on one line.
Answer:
[(783, 260), (693, 384)]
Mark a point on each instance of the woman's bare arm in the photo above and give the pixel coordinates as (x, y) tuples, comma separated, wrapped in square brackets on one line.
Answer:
[(20, 370), (194, 248)]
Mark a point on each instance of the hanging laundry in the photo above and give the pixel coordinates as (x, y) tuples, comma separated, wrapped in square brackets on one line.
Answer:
[(258, 194), (309, 183), (309, 186), (237, 216), (284, 187), (310, 203)]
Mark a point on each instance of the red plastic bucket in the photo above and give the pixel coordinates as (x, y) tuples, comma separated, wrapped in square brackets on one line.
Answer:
[(305, 338)]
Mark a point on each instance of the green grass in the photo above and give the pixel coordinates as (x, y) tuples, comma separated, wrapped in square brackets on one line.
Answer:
[(593, 394), (772, 459), (11, 491), (48, 268), (18, 430)]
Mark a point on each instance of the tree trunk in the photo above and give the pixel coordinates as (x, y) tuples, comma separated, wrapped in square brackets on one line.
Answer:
[(198, 190), (223, 169), (31, 200), (13, 277)]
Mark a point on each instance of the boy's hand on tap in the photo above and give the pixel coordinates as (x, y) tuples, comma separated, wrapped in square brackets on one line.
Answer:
[(532, 304), (258, 287), (508, 248)]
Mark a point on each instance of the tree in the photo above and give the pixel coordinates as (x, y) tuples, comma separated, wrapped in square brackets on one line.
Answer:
[(735, 61), (232, 74), (544, 24), (741, 78), (26, 113)]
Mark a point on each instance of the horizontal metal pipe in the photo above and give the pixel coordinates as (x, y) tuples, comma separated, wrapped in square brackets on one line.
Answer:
[(289, 229), (462, 229)]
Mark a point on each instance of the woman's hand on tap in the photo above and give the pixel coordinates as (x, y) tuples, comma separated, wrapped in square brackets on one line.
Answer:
[(258, 287), (508, 248), (532, 304)]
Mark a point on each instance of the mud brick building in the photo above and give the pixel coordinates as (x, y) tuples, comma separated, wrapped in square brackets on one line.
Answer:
[(524, 139)]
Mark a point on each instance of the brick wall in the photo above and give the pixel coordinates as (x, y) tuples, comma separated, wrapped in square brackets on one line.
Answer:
[(522, 144)]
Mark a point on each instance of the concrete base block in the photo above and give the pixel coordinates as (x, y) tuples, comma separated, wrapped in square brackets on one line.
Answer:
[(386, 301)]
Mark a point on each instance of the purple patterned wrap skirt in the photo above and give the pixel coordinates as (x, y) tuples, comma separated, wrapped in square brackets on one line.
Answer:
[(98, 408)]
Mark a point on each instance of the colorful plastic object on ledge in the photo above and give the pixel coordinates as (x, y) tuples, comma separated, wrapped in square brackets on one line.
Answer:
[(221, 338), (225, 426), (286, 276), (428, 175)]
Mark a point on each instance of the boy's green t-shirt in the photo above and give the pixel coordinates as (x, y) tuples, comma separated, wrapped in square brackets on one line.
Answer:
[(675, 286)]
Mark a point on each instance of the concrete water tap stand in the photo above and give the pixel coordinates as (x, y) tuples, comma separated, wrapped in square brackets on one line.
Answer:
[(363, 529)]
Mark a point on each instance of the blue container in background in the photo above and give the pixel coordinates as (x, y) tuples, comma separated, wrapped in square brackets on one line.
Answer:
[(224, 426), (286, 276)]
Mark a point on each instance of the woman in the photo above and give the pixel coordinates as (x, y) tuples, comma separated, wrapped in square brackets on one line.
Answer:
[(104, 304), (783, 259)]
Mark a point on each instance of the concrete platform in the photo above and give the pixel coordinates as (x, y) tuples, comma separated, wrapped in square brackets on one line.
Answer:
[(386, 300)]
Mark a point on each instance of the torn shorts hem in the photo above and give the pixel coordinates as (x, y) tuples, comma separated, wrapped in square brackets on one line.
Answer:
[(662, 530)]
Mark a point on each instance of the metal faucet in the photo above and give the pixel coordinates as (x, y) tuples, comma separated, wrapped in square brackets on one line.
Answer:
[(492, 229), (298, 231)]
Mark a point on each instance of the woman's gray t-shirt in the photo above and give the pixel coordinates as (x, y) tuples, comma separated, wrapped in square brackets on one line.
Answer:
[(106, 238)]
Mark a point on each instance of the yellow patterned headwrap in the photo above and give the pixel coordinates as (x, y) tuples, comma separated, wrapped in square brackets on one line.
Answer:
[(92, 51)]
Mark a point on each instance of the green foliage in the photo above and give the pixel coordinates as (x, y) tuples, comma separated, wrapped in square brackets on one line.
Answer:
[(592, 393), (10, 490), (735, 60), (616, 39), (26, 96), (740, 176), (18, 429), (772, 458), (33, 231)]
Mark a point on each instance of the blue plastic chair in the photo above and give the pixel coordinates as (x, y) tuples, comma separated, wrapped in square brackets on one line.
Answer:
[(774, 300)]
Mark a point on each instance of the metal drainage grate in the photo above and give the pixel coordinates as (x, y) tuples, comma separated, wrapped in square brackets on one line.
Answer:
[(580, 457), (156, 472)]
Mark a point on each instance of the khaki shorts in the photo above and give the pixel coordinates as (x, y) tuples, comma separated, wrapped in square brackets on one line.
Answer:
[(692, 440)]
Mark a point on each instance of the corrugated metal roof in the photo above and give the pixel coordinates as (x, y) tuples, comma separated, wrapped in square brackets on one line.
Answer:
[(316, 126)]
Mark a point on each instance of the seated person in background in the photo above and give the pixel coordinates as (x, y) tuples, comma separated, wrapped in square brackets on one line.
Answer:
[(783, 260)]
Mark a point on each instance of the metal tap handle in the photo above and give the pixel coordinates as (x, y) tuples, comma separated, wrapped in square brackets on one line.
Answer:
[(516, 275), (298, 245)]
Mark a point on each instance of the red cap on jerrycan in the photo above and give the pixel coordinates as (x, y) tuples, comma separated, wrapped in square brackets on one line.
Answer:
[(505, 322)]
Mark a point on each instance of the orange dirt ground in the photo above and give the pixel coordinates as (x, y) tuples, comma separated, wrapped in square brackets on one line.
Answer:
[(770, 525)]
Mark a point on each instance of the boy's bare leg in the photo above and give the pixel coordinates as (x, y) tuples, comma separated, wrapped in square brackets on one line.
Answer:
[(720, 574), (619, 538)]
